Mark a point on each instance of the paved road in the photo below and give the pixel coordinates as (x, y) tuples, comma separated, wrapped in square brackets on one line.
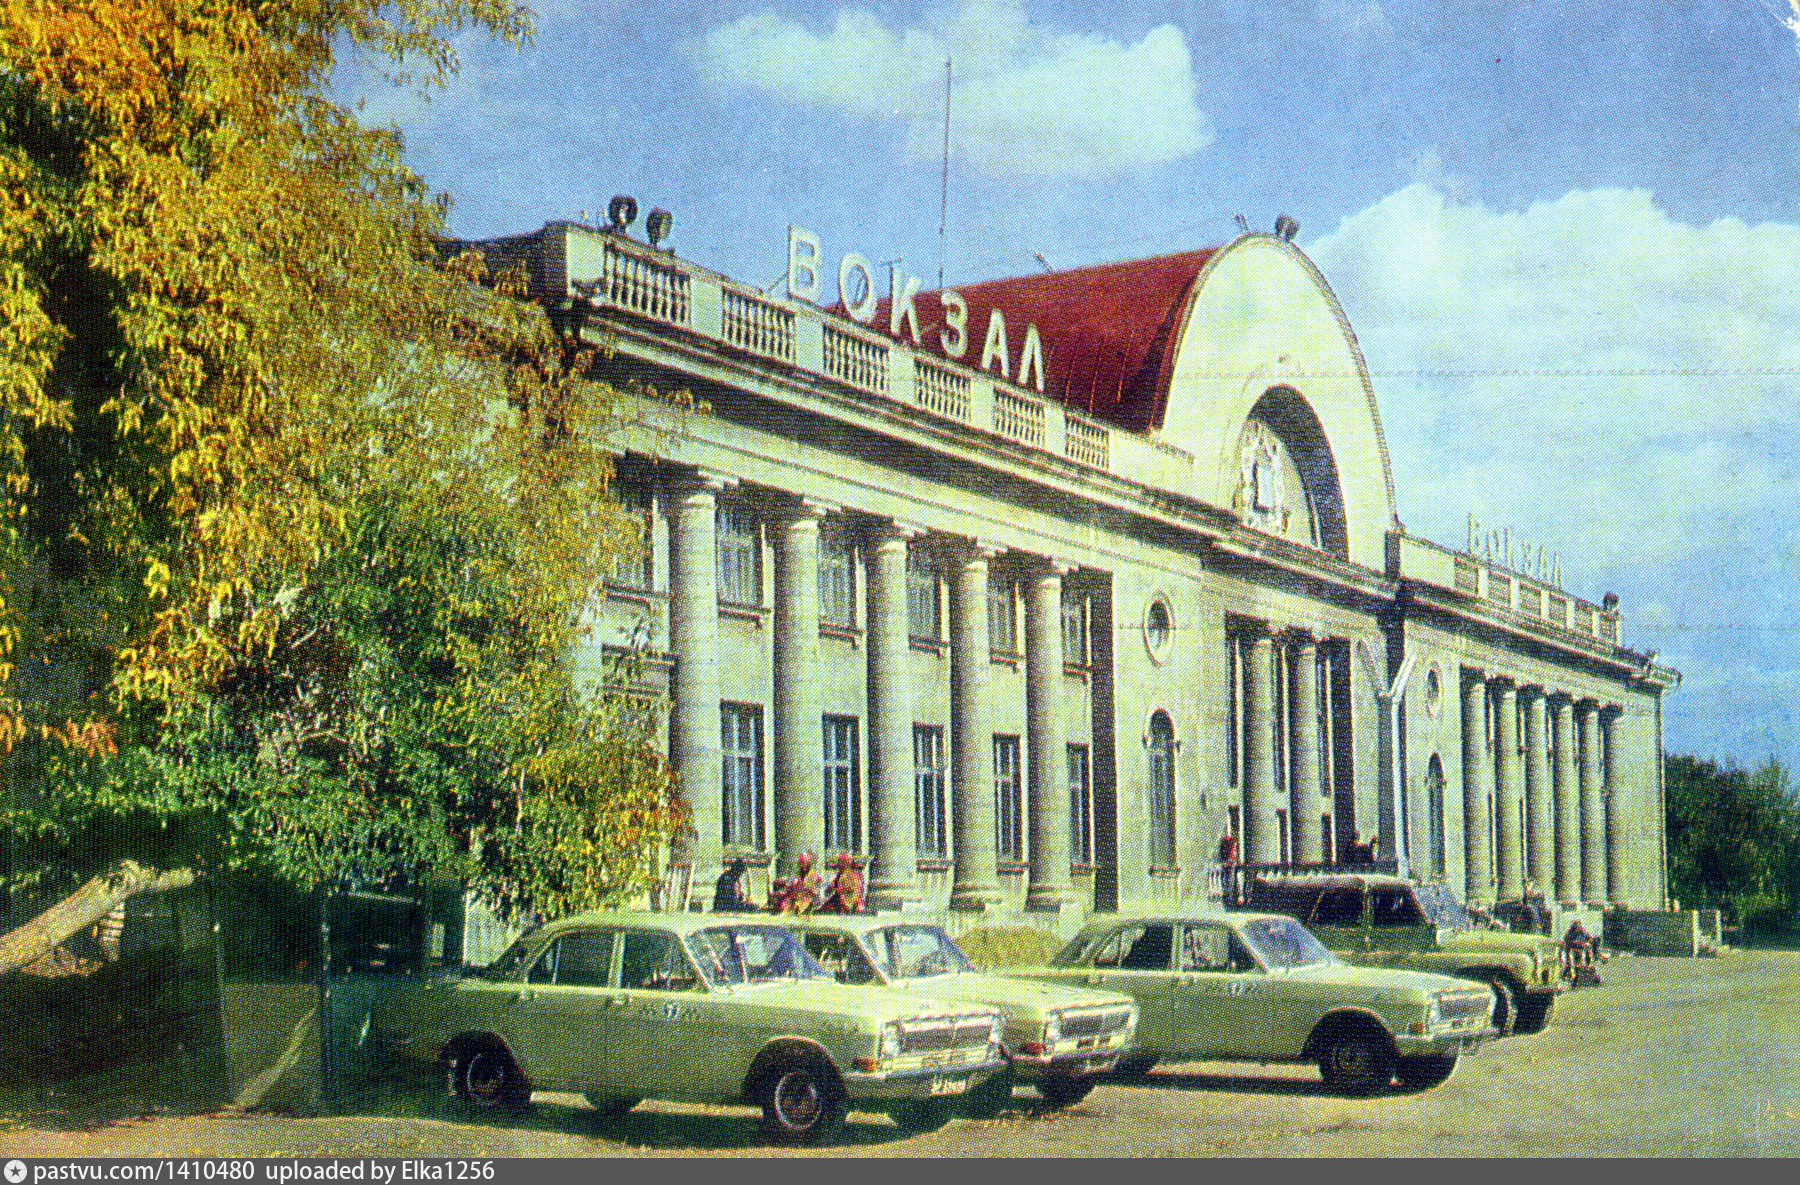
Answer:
[(1670, 1057)]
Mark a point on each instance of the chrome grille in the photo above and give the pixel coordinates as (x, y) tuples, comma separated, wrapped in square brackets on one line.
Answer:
[(1459, 1006), (944, 1032), (1092, 1021)]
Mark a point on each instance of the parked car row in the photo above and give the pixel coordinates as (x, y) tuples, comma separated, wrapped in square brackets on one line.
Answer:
[(809, 1017)]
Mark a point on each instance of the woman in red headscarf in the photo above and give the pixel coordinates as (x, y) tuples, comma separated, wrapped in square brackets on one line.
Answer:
[(845, 893), (802, 895)]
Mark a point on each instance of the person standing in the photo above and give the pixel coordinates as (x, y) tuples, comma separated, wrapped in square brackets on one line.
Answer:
[(845, 892), (728, 891)]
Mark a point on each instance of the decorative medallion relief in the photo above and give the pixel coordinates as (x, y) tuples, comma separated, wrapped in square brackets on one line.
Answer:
[(1262, 493)]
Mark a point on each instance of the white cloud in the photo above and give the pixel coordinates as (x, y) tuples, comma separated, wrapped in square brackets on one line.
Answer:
[(1587, 370), (1026, 100)]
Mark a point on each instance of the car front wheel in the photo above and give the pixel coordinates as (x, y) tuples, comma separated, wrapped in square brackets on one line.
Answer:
[(1506, 1012), (924, 1115), (1356, 1063), (487, 1076), (1060, 1090), (1424, 1072), (801, 1106), (1534, 1013)]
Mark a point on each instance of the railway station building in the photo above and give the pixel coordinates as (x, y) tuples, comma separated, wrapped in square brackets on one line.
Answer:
[(1026, 593)]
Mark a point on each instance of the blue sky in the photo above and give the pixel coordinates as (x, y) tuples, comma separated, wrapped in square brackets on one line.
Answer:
[(1567, 235)]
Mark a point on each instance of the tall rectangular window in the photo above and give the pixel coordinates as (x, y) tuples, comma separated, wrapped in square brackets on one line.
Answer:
[(1075, 628), (741, 773), (837, 581), (843, 789), (921, 601), (929, 768), (636, 567), (1322, 696), (1009, 807), (1003, 617), (1278, 717), (1282, 835), (1081, 806), (738, 546), (1234, 737)]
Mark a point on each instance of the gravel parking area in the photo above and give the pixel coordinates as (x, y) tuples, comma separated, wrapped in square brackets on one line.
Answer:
[(1669, 1057)]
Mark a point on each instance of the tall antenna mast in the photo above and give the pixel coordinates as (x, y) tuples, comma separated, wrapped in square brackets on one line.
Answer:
[(944, 185)]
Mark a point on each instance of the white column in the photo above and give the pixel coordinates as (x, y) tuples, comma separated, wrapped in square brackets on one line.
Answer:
[(1540, 853), (977, 882), (1047, 740), (1303, 752), (1617, 798), (694, 637), (1262, 842), (892, 826), (1593, 808), (1568, 805), (1478, 873), (798, 741), (1508, 876)]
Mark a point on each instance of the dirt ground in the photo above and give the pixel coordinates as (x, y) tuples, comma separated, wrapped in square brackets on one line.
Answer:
[(1669, 1057)]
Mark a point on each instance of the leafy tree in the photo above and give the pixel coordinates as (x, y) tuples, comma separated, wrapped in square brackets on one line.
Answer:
[(1734, 839), (299, 521)]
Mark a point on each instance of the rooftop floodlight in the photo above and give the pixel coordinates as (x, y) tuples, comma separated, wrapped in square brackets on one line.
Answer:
[(621, 211), (1286, 228), (657, 225)]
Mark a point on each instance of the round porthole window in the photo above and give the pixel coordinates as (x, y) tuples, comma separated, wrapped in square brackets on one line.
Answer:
[(1434, 691), (1159, 629)]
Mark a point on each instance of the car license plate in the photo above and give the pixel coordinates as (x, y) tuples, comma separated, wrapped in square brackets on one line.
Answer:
[(941, 1085)]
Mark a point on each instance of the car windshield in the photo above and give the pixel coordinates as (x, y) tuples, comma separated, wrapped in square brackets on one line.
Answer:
[(733, 955), (915, 952), (1443, 908), (511, 959), (1283, 942)]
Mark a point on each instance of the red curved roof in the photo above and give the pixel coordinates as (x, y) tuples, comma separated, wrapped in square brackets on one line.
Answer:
[(1108, 331)]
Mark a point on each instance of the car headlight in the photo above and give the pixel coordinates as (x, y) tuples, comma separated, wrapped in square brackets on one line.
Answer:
[(997, 1031), (1434, 1014), (890, 1041), (1131, 1023), (1052, 1029)]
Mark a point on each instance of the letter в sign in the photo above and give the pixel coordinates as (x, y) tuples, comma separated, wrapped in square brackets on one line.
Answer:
[(956, 318), (803, 259), (863, 311)]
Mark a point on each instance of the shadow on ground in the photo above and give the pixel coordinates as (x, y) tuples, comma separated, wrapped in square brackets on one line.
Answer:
[(649, 1126), (1243, 1084)]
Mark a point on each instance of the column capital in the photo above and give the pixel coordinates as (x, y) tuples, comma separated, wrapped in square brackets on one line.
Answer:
[(1300, 635), (971, 549), (1503, 682), (1250, 628), (802, 506), (1558, 697), (701, 481), (884, 529), (1045, 565)]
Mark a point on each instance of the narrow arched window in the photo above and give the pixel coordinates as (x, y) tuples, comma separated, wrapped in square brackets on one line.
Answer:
[(1434, 806), (1162, 790)]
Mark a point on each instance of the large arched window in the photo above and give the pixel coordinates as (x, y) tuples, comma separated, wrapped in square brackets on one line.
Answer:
[(1434, 806), (1288, 482), (1162, 790)]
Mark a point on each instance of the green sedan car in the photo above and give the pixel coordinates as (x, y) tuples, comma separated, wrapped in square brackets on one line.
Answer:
[(1059, 1037), (623, 1007), (1260, 987)]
